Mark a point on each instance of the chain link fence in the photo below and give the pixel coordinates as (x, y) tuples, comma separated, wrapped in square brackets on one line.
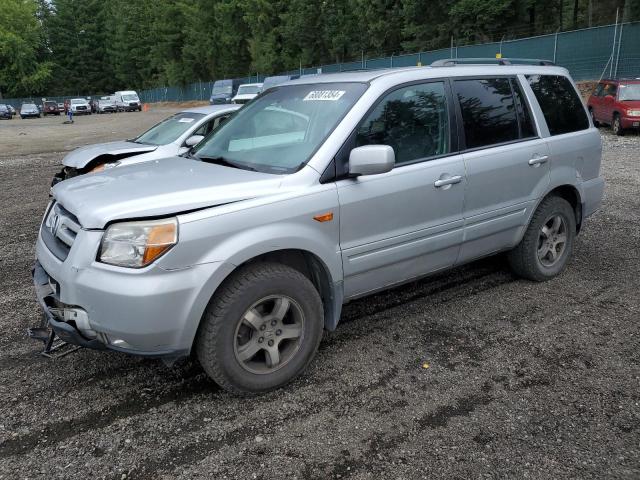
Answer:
[(588, 54)]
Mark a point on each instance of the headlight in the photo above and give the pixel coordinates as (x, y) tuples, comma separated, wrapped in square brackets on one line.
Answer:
[(101, 167), (633, 113), (137, 244)]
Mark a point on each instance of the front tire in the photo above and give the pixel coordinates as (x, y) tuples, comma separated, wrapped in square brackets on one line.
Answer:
[(616, 125), (261, 329), (547, 244)]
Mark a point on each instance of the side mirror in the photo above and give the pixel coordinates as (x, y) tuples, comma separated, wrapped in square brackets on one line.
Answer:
[(371, 160), (193, 140)]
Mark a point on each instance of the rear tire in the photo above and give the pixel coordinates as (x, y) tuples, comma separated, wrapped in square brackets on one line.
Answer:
[(596, 123), (261, 328), (616, 125), (547, 244)]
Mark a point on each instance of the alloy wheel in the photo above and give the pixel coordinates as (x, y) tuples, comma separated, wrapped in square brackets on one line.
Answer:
[(269, 334), (552, 240)]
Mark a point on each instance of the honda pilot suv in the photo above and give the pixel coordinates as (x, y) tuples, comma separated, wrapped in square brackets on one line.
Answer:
[(322, 190)]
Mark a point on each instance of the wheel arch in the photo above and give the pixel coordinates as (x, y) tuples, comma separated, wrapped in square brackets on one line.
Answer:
[(571, 194), (306, 262)]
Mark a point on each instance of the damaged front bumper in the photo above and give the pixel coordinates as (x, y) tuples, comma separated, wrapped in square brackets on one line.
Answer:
[(71, 324), (63, 320)]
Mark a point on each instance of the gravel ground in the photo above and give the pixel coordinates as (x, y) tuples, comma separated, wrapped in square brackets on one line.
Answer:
[(524, 380)]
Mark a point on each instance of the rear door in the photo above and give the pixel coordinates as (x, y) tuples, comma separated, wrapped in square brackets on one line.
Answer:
[(506, 162), (595, 102), (407, 222), (608, 103)]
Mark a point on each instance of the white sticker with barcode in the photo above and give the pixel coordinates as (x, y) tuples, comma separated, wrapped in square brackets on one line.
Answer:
[(186, 120), (324, 95)]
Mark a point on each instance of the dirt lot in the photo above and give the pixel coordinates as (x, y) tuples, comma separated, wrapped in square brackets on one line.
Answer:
[(524, 380)]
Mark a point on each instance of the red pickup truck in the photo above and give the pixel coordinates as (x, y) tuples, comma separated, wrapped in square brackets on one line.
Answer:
[(616, 103)]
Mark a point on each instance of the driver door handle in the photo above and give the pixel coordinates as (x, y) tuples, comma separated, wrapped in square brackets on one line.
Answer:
[(538, 160), (447, 181)]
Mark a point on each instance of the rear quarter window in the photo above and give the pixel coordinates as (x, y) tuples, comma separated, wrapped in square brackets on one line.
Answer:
[(560, 103)]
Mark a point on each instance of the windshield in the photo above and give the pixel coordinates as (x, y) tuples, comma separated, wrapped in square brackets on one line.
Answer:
[(3, 108), (78, 101), (130, 98), (50, 104), (29, 106), (278, 132), (170, 129), (248, 89), (217, 89), (630, 91)]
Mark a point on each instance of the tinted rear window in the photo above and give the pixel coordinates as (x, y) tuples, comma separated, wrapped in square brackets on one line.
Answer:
[(488, 111), (560, 104)]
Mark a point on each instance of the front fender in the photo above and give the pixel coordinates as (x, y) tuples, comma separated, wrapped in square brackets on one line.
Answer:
[(232, 235)]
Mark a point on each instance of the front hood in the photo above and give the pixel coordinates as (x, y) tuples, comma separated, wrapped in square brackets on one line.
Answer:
[(246, 96), (170, 186), (631, 104), (80, 157)]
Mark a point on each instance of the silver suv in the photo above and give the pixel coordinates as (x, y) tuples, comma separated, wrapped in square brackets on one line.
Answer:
[(320, 191)]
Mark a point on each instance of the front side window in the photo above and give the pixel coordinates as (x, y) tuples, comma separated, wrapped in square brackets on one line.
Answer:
[(279, 131), (488, 111), (413, 120), (170, 129), (562, 108), (130, 98), (629, 92), (610, 90)]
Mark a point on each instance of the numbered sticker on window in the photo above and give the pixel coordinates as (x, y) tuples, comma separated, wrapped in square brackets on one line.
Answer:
[(186, 120), (324, 95)]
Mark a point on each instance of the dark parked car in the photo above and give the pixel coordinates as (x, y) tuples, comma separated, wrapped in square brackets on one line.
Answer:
[(28, 110), (50, 108), (5, 112), (223, 91), (616, 103)]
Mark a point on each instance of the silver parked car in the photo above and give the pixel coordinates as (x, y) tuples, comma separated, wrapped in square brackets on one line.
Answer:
[(173, 136), (320, 191)]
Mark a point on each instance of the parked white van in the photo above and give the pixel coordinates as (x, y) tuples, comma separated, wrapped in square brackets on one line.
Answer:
[(127, 101)]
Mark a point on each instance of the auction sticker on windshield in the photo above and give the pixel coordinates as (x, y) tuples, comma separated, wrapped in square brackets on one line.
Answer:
[(324, 95), (186, 120)]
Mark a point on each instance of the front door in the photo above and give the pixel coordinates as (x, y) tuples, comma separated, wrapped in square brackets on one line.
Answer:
[(408, 222)]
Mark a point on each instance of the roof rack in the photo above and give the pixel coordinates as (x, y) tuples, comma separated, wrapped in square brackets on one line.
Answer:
[(452, 62)]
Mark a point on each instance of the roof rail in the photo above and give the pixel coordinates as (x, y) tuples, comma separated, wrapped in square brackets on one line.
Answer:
[(452, 62)]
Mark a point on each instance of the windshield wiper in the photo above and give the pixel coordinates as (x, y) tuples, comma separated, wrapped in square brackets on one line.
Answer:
[(226, 163)]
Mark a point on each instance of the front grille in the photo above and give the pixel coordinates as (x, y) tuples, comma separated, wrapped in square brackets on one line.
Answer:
[(81, 108), (59, 231), (133, 104)]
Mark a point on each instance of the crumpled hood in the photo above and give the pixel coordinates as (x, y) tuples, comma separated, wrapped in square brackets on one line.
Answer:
[(80, 157), (169, 186)]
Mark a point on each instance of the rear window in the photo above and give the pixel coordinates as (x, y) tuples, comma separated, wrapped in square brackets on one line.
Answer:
[(488, 111), (560, 104)]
